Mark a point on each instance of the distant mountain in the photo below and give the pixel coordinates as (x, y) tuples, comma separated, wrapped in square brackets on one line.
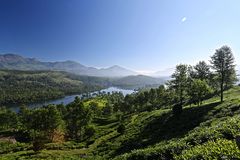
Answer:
[(139, 81), (17, 62), (116, 71)]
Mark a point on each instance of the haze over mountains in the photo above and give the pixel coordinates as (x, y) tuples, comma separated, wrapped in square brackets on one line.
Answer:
[(115, 75), (17, 62)]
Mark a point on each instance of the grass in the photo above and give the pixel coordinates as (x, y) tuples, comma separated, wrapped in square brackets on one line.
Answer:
[(101, 102), (204, 132)]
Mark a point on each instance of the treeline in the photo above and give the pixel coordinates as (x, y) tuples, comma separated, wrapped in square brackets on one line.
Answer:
[(188, 85), (32, 86)]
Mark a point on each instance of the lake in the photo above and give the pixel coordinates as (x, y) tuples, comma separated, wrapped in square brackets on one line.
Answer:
[(68, 99)]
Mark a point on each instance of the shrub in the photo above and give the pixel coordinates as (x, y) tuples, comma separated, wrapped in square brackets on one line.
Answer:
[(177, 109), (220, 149), (121, 129), (90, 131)]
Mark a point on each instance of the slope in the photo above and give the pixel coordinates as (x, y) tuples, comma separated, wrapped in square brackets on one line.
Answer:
[(204, 132), (32, 86)]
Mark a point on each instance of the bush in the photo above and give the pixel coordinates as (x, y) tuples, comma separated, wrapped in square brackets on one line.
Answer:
[(90, 131), (238, 141), (177, 109), (121, 129), (220, 149)]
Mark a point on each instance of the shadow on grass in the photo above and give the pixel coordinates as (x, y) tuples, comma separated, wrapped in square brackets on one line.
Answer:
[(29, 154), (167, 126), (103, 121)]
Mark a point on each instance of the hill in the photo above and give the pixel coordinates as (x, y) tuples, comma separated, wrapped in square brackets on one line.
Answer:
[(17, 62), (201, 132), (32, 86), (139, 81)]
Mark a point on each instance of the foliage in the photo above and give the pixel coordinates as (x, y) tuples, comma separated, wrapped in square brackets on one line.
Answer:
[(32, 86), (180, 82), (219, 149), (8, 119), (121, 129), (137, 126), (223, 63), (149, 135), (177, 109), (77, 118), (202, 71), (198, 91)]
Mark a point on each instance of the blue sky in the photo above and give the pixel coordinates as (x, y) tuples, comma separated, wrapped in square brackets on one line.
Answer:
[(143, 35)]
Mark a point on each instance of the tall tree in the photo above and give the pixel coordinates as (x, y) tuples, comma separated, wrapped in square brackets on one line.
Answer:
[(180, 82), (202, 70), (223, 63), (77, 119)]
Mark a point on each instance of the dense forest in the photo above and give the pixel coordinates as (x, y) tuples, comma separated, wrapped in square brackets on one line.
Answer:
[(32, 86), (195, 115)]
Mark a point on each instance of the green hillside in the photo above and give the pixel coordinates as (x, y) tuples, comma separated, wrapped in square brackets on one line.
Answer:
[(195, 115), (204, 132), (32, 86)]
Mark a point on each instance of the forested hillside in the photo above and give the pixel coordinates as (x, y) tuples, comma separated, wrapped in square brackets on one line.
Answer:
[(31, 86), (193, 116)]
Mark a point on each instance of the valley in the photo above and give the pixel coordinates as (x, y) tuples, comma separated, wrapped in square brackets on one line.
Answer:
[(192, 115), (70, 98), (28, 87), (119, 80)]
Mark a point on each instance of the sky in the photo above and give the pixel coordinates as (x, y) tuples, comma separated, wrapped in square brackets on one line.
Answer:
[(142, 35)]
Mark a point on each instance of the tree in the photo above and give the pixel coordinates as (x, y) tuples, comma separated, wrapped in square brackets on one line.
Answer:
[(89, 131), (8, 119), (199, 89), (94, 107), (77, 118), (223, 63), (54, 123), (108, 109), (127, 105), (179, 82), (202, 71), (152, 95), (43, 125)]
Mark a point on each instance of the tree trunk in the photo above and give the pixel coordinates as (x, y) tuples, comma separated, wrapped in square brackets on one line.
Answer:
[(221, 92), (181, 97), (222, 82)]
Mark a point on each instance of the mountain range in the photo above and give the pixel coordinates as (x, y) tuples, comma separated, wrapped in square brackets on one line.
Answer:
[(112, 76), (17, 62)]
